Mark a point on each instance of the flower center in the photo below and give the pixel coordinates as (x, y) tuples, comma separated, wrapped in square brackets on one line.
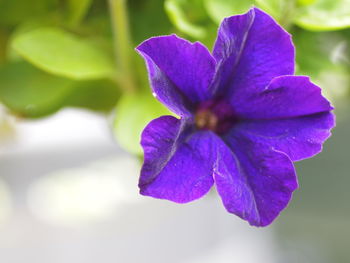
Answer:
[(206, 120), (216, 116)]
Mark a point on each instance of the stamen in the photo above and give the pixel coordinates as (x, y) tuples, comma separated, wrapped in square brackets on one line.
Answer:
[(217, 116), (206, 120)]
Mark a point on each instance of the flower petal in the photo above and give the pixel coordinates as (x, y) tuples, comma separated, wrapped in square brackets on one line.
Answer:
[(180, 71), (178, 163), (299, 138), (255, 182), (284, 97), (251, 49)]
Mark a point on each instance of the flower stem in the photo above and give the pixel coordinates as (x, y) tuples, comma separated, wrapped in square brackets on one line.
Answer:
[(122, 43)]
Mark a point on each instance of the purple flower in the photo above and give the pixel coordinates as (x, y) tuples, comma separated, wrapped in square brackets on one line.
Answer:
[(244, 118)]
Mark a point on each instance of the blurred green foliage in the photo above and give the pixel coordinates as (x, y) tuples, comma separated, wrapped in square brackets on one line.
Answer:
[(134, 112), (31, 92), (62, 53)]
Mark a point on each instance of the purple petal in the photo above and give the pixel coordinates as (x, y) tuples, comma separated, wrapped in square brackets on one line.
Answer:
[(254, 181), (180, 72), (178, 163), (299, 138), (284, 97), (251, 50)]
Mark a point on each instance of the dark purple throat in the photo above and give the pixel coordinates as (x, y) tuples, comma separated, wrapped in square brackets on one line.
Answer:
[(217, 116)]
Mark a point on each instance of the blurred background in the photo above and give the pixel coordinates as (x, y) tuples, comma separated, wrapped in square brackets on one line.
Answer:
[(74, 97)]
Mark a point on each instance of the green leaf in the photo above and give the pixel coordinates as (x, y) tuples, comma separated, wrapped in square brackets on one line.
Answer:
[(97, 95), (133, 113), (177, 15), (63, 54), (273, 7), (324, 15), (305, 2), (191, 20), (23, 28), (281, 10), (77, 10), (219, 9), (30, 92)]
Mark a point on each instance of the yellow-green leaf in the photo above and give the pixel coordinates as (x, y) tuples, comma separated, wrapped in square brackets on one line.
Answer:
[(64, 54), (219, 9), (324, 15), (179, 19), (30, 92), (133, 113)]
